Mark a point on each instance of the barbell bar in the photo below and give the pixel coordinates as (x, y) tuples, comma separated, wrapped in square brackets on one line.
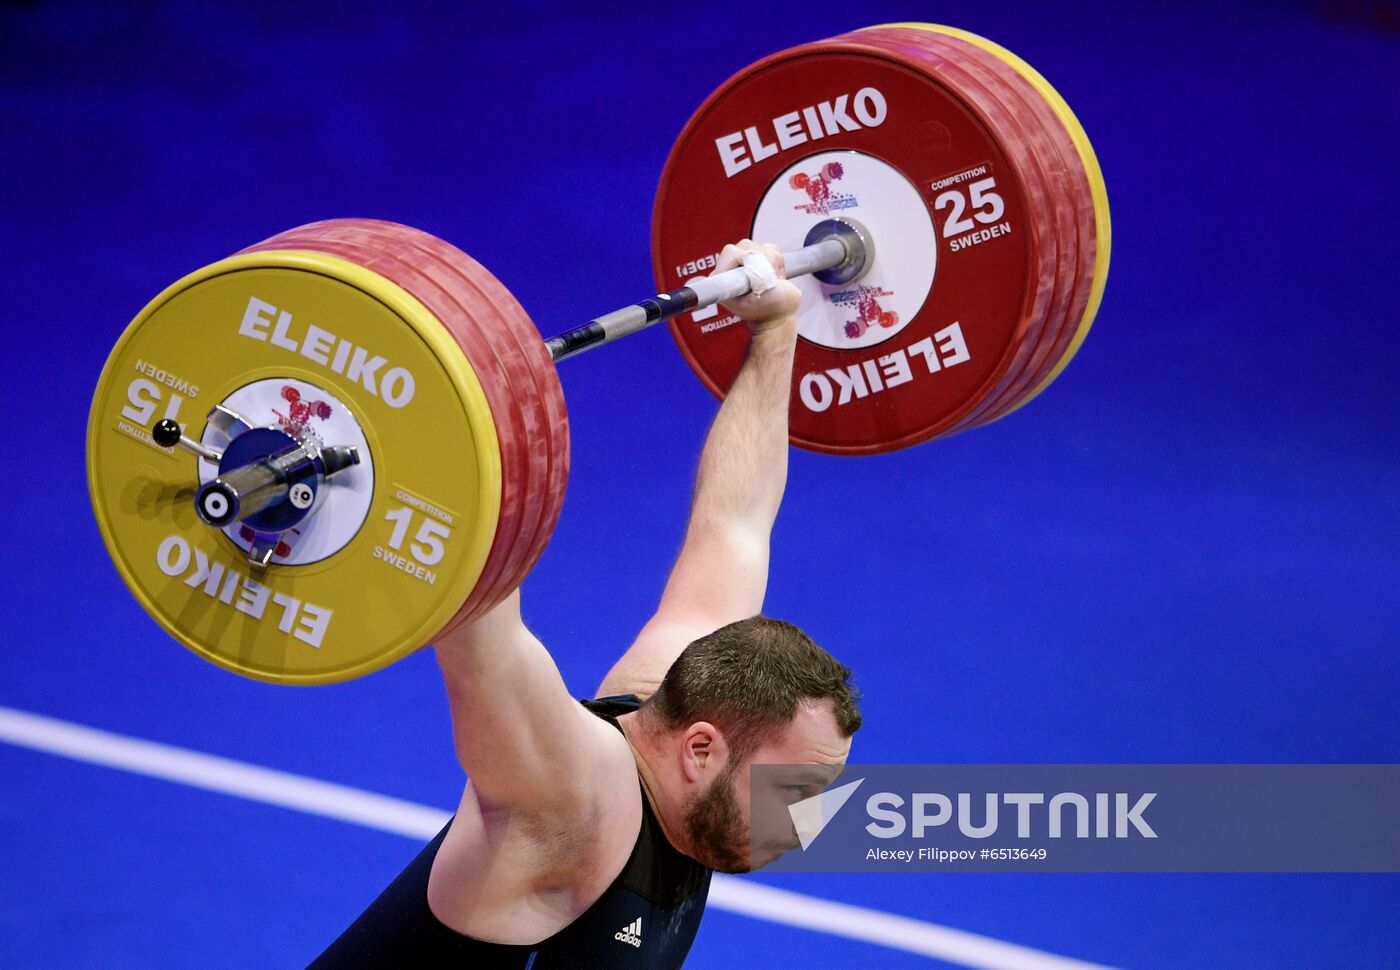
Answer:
[(836, 251)]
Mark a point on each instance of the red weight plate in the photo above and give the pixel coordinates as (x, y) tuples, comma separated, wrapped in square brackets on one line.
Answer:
[(554, 430), (916, 355), (1073, 202), (1079, 200), (1017, 128), (1055, 213), (1031, 121), (484, 328), (548, 432), (347, 239), (476, 328)]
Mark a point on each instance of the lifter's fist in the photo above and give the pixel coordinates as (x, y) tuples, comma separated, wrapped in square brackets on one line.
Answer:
[(774, 308)]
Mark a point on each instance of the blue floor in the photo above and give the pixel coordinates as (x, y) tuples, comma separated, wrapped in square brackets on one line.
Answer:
[(1187, 550)]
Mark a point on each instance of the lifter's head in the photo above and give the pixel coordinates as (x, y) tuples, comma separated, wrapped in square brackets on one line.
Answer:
[(758, 691)]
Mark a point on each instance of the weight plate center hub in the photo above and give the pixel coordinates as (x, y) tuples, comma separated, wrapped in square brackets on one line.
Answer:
[(319, 515), (852, 185)]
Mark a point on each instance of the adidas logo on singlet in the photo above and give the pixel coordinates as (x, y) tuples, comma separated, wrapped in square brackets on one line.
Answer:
[(631, 933)]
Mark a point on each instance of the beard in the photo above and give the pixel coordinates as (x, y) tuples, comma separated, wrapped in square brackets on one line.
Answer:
[(715, 827)]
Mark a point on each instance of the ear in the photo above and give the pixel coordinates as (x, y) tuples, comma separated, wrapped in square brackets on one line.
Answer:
[(703, 751)]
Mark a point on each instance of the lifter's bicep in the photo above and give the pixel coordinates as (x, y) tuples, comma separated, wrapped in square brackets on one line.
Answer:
[(520, 736)]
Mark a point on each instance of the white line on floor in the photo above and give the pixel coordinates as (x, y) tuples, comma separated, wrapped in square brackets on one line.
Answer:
[(415, 821)]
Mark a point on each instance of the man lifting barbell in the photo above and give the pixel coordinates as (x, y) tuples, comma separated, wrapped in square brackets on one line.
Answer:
[(951, 259), (558, 856)]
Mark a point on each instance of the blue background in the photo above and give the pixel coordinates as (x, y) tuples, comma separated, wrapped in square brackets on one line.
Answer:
[(1184, 551)]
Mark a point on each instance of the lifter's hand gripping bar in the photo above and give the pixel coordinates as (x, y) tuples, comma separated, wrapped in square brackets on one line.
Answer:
[(837, 251)]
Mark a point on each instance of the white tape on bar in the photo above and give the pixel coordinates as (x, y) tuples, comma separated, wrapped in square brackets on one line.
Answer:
[(762, 276)]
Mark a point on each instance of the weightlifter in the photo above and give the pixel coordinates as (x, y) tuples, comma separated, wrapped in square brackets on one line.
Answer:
[(587, 833)]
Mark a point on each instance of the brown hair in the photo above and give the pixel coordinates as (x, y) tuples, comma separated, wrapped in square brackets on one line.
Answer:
[(747, 679)]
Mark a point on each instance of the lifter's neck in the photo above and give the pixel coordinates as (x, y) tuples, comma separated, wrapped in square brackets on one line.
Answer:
[(660, 775)]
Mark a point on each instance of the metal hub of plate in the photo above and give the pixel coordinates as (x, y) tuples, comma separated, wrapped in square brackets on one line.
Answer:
[(889, 295), (316, 527)]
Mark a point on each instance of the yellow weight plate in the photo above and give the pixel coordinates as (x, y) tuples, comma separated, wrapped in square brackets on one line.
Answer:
[(1097, 188), (397, 543)]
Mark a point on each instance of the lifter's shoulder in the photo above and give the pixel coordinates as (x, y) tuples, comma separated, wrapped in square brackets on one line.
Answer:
[(597, 777)]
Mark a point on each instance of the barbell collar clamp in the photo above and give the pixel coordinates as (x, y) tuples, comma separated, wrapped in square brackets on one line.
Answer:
[(239, 493), (859, 247), (337, 458), (228, 421)]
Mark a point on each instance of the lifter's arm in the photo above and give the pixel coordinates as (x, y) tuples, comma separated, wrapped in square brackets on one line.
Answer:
[(525, 743), (722, 571)]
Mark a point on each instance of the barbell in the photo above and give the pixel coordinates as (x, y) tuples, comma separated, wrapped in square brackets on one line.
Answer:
[(315, 456)]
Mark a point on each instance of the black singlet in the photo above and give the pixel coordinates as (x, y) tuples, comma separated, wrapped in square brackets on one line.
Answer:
[(647, 918)]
